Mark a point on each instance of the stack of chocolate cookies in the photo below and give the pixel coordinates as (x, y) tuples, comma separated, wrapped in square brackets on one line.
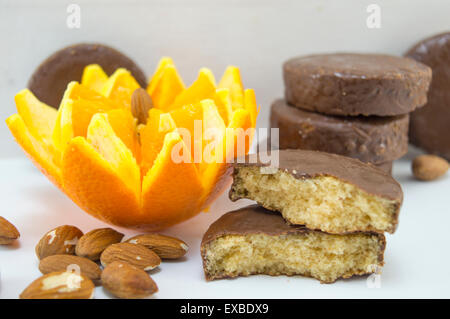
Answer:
[(355, 105), (319, 215)]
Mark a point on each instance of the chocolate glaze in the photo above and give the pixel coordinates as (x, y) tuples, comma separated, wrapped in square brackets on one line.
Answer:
[(252, 219), (304, 164), (255, 219), (369, 139), (387, 167), (356, 84), (50, 79), (430, 125)]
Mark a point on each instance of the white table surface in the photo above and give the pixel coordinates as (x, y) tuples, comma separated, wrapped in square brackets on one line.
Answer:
[(417, 256)]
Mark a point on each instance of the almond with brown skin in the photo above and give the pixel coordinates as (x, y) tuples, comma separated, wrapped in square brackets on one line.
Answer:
[(141, 103), (60, 285), (8, 232), (58, 241), (429, 167), (70, 263), (92, 244), (136, 255), (165, 247), (126, 281)]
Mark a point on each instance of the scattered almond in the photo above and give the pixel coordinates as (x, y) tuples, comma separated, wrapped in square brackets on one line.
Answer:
[(60, 285), (164, 246), (141, 103), (92, 244), (429, 167), (126, 281), (69, 263), (136, 255), (8, 232), (61, 240)]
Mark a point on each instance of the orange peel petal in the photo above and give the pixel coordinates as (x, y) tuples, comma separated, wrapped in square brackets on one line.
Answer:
[(102, 137), (94, 77), (167, 88), (203, 88), (152, 137), (231, 79), (120, 87), (223, 102), (250, 105), (170, 190), (124, 126), (94, 185), (40, 153), (165, 61), (37, 116)]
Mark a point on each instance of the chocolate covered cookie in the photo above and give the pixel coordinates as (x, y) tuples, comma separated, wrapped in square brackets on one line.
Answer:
[(369, 139), (430, 125), (50, 79), (253, 240), (328, 192), (356, 84), (387, 166)]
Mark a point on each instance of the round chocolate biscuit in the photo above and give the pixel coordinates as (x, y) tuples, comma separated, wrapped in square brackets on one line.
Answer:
[(370, 139), (50, 79), (430, 125), (356, 84)]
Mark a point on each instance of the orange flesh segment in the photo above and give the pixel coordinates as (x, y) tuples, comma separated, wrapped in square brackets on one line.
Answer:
[(78, 105), (38, 117), (186, 119), (223, 103), (157, 75), (120, 87), (213, 135), (92, 182), (121, 160), (242, 130), (63, 131), (94, 77), (203, 88), (124, 126), (76, 91), (152, 137), (217, 175), (250, 105), (38, 151), (166, 88), (170, 191), (231, 79)]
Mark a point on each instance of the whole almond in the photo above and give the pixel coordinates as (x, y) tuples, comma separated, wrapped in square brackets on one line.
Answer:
[(8, 232), (165, 247), (141, 103), (429, 167), (136, 255), (60, 285), (126, 281), (69, 263), (58, 241), (92, 244)]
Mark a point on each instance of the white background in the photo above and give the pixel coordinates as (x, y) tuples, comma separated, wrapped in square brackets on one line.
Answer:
[(257, 36)]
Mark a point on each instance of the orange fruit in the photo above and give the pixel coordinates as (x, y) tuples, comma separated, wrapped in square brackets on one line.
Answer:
[(145, 176)]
